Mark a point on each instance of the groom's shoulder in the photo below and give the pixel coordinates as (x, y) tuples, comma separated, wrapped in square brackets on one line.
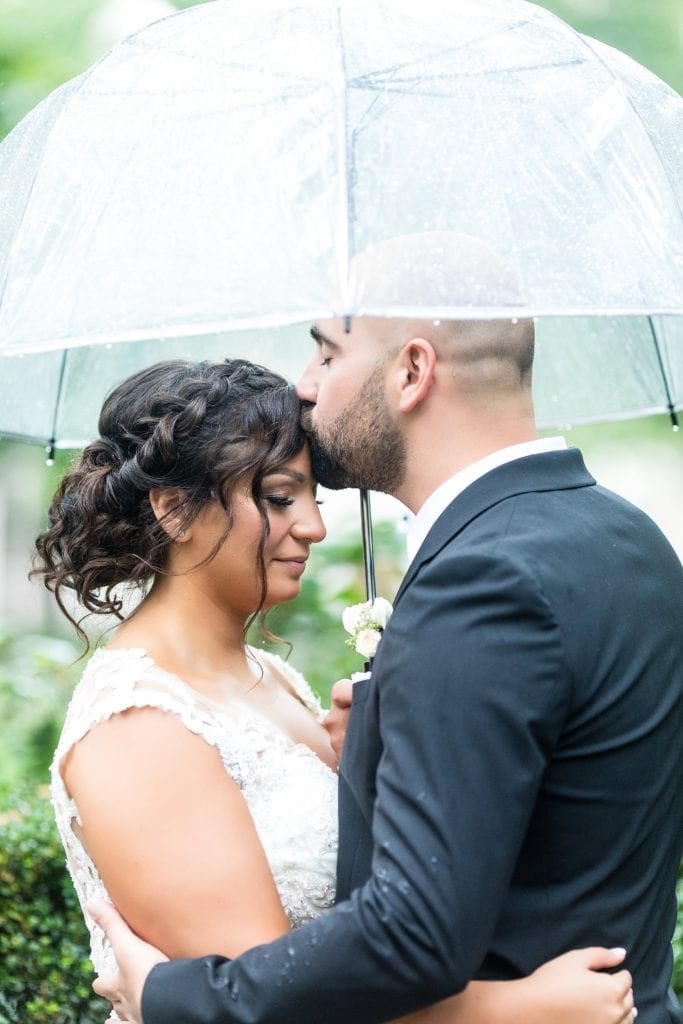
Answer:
[(551, 527), (546, 509)]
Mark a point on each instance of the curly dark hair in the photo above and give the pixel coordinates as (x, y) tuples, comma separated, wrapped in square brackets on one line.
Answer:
[(196, 427)]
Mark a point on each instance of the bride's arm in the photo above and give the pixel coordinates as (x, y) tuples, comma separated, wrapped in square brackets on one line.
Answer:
[(566, 990), (172, 837)]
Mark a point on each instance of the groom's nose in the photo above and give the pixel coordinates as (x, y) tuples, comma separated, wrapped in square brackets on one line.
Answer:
[(307, 385)]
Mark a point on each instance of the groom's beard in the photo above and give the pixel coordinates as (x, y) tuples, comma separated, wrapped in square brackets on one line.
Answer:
[(362, 447)]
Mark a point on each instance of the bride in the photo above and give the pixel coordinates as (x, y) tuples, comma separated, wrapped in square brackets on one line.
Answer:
[(194, 784)]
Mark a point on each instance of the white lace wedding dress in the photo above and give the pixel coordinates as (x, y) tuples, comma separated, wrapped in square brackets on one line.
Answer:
[(290, 792)]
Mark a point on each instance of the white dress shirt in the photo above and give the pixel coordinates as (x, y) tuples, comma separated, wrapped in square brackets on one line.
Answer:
[(445, 493)]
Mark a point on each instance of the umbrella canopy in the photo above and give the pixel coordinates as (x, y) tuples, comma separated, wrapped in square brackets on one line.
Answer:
[(208, 182), (218, 170)]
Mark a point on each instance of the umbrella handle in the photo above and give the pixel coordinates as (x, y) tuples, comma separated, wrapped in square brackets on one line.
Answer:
[(368, 553)]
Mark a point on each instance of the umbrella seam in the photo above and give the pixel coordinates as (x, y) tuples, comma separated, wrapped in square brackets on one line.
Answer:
[(346, 210)]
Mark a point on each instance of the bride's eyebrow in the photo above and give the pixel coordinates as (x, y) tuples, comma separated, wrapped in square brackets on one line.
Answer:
[(293, 474)]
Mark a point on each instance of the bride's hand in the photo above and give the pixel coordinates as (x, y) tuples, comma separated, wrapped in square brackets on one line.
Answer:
[(337, 717), (578, 993)]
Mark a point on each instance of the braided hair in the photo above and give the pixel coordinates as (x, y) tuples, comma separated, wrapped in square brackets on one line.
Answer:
[(199, 428)]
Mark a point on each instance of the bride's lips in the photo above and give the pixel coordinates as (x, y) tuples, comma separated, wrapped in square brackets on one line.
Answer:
[(297, 564)]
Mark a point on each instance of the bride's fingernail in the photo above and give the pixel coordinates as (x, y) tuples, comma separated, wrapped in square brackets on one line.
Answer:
[(618, 950)]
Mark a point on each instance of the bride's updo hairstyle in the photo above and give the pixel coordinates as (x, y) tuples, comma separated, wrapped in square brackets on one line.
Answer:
[(199, 428)]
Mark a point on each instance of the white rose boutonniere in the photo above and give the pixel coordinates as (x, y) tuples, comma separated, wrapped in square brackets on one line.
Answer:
[(365, 624)]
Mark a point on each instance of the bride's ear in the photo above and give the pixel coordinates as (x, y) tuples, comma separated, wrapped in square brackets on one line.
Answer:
[(166, 505)]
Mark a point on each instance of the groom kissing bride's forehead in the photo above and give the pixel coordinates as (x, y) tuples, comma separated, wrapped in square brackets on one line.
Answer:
[(369, 373), (511, 783)]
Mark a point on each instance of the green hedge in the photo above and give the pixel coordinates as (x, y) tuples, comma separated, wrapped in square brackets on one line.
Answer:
[(45, 972), (677, 980)]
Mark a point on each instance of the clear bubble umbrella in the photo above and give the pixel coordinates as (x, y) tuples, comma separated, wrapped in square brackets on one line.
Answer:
[(218, 170), (204, 188)]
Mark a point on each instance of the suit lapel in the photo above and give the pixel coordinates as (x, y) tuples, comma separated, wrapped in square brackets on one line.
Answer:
[(549, 471)]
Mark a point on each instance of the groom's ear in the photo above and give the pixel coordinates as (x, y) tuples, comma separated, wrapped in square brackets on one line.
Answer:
[(415, 367)]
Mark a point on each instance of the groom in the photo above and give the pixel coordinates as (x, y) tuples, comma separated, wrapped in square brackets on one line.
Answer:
[(512, 779)]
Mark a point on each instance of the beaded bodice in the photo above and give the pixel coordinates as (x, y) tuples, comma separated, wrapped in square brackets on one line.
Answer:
[(290, 792)]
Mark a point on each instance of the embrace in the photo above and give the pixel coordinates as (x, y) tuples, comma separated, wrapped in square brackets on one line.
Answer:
[(511, 783)]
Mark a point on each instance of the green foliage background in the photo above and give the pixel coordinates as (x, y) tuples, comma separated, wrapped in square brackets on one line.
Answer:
[(45, 970)]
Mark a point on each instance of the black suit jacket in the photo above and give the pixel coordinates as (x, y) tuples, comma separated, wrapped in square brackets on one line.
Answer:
[(512, 779)]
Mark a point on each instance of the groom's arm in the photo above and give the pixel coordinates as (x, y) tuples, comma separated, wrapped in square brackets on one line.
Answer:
[(472, 697)]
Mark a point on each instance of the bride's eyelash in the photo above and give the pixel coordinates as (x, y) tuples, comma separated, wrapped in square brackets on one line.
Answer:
[(278, 500)]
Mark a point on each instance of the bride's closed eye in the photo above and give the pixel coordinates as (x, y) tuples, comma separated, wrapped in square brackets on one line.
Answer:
[(278, 500)]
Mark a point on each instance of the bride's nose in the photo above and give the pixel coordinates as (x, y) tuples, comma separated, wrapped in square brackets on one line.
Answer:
[(309, 525)]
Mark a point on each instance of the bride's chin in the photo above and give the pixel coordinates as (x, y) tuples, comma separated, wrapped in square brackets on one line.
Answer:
[(281, 595)]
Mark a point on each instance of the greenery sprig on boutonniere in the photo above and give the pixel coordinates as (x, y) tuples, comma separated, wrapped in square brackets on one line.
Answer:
[(365, 624)]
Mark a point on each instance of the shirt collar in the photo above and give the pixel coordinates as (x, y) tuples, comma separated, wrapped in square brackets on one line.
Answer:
[(446, 492)]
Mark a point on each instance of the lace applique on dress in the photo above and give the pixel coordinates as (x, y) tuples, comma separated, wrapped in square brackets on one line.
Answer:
[(291, 794)]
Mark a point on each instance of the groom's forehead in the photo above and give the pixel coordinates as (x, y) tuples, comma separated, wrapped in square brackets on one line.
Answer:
[(350, 333)]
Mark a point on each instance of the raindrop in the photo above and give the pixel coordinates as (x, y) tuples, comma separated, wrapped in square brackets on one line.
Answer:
[(437, 323), (403, 523), (514, 320)]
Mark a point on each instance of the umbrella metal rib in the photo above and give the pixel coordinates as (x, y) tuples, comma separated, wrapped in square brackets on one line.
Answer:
[(52, 441), (673, 415)]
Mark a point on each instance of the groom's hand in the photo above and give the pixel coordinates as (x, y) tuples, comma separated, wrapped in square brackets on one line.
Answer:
[(135, 959), (338, 716)]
